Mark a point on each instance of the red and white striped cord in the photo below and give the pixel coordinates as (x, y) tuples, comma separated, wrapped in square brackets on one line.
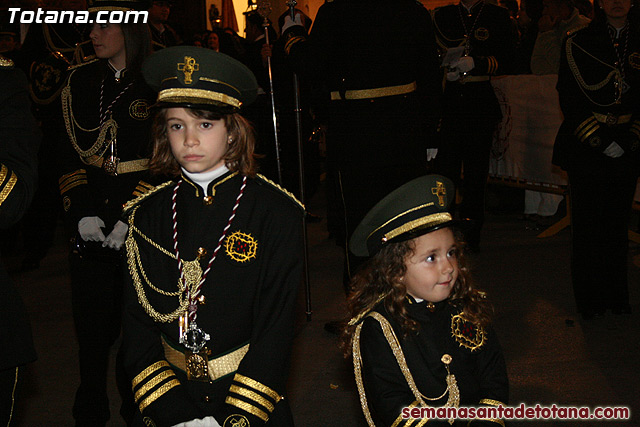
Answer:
[(193, 299)]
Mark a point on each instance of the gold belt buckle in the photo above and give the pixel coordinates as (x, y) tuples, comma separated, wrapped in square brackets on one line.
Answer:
[(611, 119), (197, 365)]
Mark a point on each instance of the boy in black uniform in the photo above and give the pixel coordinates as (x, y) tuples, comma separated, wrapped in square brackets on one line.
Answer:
[(213, 256), (104, 158), (482, 35), (18, 169)]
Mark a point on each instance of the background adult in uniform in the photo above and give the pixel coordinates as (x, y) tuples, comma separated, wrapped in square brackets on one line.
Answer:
[(378, 67), (18, 168), (598, 145), (471, 111), (48, 51), (103, 163)]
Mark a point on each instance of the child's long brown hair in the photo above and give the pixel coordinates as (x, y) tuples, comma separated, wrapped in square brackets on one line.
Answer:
[(380, 277)]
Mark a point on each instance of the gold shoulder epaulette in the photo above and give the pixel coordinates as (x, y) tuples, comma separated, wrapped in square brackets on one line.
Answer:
[(73, 67), (282, 190), (134, 202), (6, 62)]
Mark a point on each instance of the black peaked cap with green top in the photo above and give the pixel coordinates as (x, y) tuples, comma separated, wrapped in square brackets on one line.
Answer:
[(199, 78), (415, 208)]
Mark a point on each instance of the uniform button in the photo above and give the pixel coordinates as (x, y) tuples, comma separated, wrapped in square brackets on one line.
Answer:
[(205, 399), (207, 200)]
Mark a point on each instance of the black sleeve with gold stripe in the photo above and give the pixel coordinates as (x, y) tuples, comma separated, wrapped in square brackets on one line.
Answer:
[(488, 421), (253, 397), (19, 141)]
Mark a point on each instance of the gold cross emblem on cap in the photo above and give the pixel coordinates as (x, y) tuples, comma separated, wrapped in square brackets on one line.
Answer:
[(188, 67), (439, 191)]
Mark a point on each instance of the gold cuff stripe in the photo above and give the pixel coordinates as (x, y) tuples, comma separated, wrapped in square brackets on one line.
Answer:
[(592, 127), (491, 402), (422, 422), (376, 93), (69, 175), (252, 395), (247, 408), (584, 124), (146, 388), (6, 190), (588, 134), (156, 394), (148, 371), (258, 386), (3, 173), (398, 420), (72, 180), (427, 221), (196, 96), (70, 186)]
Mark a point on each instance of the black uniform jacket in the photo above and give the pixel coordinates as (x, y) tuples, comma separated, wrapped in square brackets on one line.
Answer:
[(490, 35), (249, 300), (86, 189), (19, 141), (592, 117), (492, 47), (361, 45), (477, 363)]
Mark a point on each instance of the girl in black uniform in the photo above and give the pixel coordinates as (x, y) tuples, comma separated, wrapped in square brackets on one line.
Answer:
[(598, 145), (419, 331)]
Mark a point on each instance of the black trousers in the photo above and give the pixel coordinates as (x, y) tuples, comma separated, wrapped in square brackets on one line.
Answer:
[(600, 210), (96, 292), (373, 147), (471, 115)]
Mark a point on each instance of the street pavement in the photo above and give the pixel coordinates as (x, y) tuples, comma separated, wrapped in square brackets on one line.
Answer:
[(552, 356)]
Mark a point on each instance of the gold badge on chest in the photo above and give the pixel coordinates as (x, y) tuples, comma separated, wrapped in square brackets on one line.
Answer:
[(466, 333), (139, 109), (481, 34), (241, 246)]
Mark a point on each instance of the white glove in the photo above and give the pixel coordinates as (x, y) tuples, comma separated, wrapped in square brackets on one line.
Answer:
[(89, 228), (288, 22), (200, 422), (115, 239), (452, 76), (613, 150), (465, 64), (431, 153)]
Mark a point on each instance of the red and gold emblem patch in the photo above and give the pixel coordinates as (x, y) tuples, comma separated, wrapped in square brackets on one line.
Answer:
[(466, 333), (241, 246)]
